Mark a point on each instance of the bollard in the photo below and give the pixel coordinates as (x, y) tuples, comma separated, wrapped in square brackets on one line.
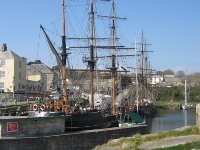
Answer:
[(15, 102), (27, 101), (198, 115)]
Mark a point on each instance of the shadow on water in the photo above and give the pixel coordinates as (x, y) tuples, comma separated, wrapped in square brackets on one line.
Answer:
[(167, 119)]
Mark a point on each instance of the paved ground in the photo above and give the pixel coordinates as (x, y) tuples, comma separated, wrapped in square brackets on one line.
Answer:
[(172, 141), (168, 142)]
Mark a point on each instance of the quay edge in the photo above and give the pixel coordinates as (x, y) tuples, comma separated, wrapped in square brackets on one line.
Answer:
[(82, 140)]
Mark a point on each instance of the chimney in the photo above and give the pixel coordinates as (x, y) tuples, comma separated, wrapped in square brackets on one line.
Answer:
[(4, 48)]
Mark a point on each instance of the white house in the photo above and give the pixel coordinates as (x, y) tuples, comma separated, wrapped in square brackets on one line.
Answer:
[(12, 71)]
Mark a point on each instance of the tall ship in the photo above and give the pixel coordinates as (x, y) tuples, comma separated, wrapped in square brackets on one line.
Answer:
[(97, 111), (144, 98), (99, 106)]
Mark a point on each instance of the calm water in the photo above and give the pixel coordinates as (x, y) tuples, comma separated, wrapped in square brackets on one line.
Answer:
[(171, 119)]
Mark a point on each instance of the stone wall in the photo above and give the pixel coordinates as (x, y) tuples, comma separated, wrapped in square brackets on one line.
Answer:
[(32, 126), (84, 140)]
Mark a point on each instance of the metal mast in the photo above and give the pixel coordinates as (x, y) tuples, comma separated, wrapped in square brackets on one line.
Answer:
[(186, 88)]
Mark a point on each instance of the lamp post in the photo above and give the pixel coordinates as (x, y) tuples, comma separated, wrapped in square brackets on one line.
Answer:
[(13, 89)]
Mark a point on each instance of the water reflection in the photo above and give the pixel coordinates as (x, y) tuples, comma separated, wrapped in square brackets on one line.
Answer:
[(171, 119), (185, 116)]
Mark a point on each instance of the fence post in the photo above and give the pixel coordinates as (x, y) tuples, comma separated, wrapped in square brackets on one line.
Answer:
[(198, 115)]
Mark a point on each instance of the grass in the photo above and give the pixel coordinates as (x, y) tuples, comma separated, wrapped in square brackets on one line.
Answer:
[(164, 104), (133, 141), (172, 133), (137, 139)]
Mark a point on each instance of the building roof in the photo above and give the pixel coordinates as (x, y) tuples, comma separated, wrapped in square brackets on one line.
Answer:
[(173, 79), (30, 70), (41, 68), (10, 55)]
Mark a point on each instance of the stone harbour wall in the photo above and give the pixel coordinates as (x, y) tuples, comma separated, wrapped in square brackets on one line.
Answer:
[(83, 140), (21, 127)]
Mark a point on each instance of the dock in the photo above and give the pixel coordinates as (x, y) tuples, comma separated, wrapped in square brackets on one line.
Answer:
[(49, 133), (174, 106)]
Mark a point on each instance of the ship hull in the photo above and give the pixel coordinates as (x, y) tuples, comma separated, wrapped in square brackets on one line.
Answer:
[(147, 111), (79, 122), (185, 107)]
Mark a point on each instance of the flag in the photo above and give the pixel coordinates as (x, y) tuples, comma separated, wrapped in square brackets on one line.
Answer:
[(126, 105)]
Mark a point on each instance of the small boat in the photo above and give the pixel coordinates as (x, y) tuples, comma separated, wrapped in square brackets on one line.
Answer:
[(186, 106), (132, 119)]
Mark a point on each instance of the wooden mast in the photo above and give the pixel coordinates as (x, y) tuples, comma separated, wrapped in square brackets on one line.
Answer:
[(114, 55), (114, 67), (113, 59), (64, 54), (91, 61), (92, 46), (143, 84), (136, 76), (61, 60)]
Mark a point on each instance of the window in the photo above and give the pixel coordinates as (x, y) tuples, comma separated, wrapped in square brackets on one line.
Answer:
[(2, 63), (2, 74), (1, 85), (20, 75), (20, 64)]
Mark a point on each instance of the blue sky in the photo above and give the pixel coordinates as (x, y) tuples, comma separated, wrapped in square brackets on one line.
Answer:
[(171, 26)]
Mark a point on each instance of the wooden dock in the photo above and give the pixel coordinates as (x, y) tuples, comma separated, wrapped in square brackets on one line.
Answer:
[(174, 106)]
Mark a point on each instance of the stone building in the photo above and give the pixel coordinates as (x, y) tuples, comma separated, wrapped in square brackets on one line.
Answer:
[(52, 78), (36, 80)]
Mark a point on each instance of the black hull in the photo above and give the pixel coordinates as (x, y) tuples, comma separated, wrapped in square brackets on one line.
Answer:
[(79, 122), (147, 111)]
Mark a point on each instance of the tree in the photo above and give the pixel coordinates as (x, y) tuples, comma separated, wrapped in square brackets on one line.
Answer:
[(175, 94), (24, 58), (180, 74), (195, 75), (125, 81), (36, 62), (168, 72)]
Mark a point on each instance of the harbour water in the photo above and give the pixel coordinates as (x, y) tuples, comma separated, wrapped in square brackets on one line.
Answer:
[(167, 119)]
